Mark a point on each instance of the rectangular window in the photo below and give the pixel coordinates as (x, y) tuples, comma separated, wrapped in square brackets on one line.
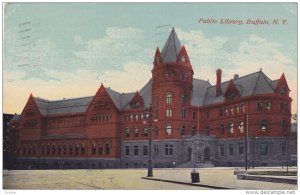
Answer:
[(82, 148), (182, 113), (58, 150), (48, 150), (194, 115), (94, 149), (127, 150), (145, 150), (231, 110), (263, 149), (156, 151), (76, 149), (107, 149), (127, 132), (100, 150), (241, 149), (135, 150), (136, 132), (168, 149), (230, 149), (43, 150), (242, 108), (236, 109), (70, 149), (169, 112), (145, 132), (222, 150)]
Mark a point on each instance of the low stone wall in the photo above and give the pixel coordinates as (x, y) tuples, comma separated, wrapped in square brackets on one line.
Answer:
[(267, 178)]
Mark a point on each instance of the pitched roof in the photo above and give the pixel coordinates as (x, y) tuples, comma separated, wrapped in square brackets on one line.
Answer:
[(146, 93), (171, 49), (199, 91), (255, 83), (16, 117)]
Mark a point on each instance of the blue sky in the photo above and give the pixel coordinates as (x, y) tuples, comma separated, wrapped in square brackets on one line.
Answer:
[(71, 48)]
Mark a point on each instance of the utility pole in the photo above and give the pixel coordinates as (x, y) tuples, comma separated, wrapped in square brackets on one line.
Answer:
[(246, 144), (150, 169)]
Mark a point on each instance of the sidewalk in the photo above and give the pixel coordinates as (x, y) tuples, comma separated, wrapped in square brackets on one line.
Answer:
[(220, 178)]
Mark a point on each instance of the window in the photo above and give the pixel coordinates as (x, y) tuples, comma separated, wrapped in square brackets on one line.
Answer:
[(145, 150), (268, 105), (225, 112), (236, 109), (194, 115), (168, 129), (70, 149), (58, 150), (206, 115), (107, 149), (100, 149), (156, 151), (127, 132), (135, 150), (222, 150), (53, 149), (282, 90), (168, 149), (183, 113), (183, 59), (230, 149), (241, 127), (242, 108), (145, 132), (241, 149), (131, 117), (76, 149), (182, 130), (136, 105), (136, 117), (94, 149), (48, 149), (220, 112), (169, 112), (82, 148), (168, 98), (156, 131), (182, 99), (136, 132), (222, 129), (263, 125), (206, 131), (127, 150), (156, 107), (263, 149), (193, 130), (230, 95), (259, 106), (283, 149), (283, 125), (281, 106), (230, 128), (43, 150), (231, 110)]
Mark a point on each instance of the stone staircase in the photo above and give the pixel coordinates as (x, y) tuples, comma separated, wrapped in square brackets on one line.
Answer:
[(191, 164)]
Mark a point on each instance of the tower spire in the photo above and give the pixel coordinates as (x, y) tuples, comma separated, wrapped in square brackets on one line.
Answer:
[(171, 48)]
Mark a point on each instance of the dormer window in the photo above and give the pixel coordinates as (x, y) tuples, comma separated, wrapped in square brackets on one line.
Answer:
[(136, 105), (282, 90), (183, 59)]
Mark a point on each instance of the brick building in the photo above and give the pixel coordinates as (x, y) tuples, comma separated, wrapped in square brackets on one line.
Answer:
[(194, 123)]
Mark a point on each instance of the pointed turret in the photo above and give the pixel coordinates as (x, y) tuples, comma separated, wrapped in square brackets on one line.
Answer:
[(157, 57), (171, 49)]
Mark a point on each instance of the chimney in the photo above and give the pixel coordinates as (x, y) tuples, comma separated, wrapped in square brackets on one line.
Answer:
[(218, 83), (235, 76)]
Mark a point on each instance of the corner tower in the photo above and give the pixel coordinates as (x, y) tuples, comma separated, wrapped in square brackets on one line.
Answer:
[(172, 75)]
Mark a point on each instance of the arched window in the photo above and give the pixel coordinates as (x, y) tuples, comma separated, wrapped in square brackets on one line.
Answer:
[(230, 128), (94, 149), (58, 149), (145, 132), (168, 129), (222, 129), (182, 130), (127, 132), (268, 105), (70, 149), (168, 98), (193, 130), (206, 131), (53, 149), (282, 90), (283, 125), (183, 59), (264, 125), (183, 99), (259, 106), (76, 149), (136, 132), (82, 148), (241, 127)]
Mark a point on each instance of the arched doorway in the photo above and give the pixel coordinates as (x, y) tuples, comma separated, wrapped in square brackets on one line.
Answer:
[(206, 154), (189, 156)]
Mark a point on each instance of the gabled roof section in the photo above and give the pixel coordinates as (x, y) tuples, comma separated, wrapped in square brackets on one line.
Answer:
[(199, 91), (171, 49), (125, 98), (65, 106), (115, 96), (252, 84), (16, 117)]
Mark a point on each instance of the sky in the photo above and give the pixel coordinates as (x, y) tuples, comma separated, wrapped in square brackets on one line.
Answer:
[(66, 50)]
